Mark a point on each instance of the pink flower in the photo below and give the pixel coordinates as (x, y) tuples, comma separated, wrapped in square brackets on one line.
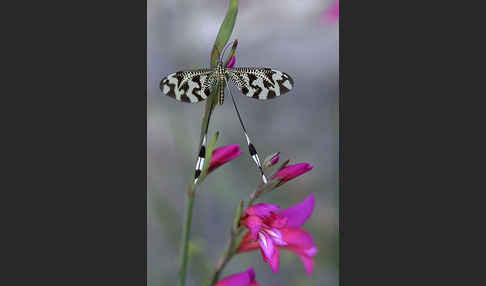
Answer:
[(246, 278), (231, 62), (292, 171), (223, 155), (271, 229), (331, 14)]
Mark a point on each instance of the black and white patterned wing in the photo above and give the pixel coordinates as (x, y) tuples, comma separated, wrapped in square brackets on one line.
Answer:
[(189, 86), (260, 83)]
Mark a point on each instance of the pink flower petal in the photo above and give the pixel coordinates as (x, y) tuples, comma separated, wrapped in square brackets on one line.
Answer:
[(246, 278), (274, 261), (266, 245), (247, 243), (251, 274), (307, 260), (308, 264), (262, 210), (276, 221), (276, 236), (298, 214), (253, 223), (301, 243), (299, 239), (223, 155), (311, 251)]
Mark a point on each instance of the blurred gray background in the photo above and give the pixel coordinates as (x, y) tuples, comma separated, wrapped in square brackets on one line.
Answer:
[(286, 35)]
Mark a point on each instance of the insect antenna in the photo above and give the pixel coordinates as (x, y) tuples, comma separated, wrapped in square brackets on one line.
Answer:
[(251, 147)]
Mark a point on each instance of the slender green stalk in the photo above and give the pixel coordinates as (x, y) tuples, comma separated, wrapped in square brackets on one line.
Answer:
[(222, 38), (187, 230), (228, 253)]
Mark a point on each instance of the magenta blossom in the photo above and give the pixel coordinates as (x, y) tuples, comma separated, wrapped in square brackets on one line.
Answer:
[(231, 62), (246, 278), (292, 171), (331, 14), (271, 229), (223, 155)]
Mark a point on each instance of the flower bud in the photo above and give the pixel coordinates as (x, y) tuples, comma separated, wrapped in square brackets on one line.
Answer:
[(290, 172), (223, 155), (271, 160), (231, 62)]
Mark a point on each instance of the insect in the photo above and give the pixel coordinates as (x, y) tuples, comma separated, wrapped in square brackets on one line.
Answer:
[(194, 86)]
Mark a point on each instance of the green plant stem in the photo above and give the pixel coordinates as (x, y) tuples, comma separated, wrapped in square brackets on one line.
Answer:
[(225, 258), (187, 231), (228, 253), (222, 38), (191, 192)]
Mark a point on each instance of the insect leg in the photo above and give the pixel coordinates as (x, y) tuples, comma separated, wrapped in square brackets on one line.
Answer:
[(202, 155), (251, 147), (200, 159)]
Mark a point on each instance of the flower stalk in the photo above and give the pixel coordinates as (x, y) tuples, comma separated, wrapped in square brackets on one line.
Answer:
[(222, 38), (187, 230), (230, 249)]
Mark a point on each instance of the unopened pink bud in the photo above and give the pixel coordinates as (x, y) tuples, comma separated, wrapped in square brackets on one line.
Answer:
[(223, 155), (274, 160), (231, 63), (290, 172)]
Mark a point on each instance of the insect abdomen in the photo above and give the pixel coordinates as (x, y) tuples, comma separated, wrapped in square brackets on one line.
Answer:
[(221, 89)]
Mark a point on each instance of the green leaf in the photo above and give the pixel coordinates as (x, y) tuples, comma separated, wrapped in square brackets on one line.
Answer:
[(225, 32)]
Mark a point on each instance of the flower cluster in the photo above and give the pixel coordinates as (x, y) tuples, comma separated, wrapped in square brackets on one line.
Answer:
[(269, 228), (261, 226)]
